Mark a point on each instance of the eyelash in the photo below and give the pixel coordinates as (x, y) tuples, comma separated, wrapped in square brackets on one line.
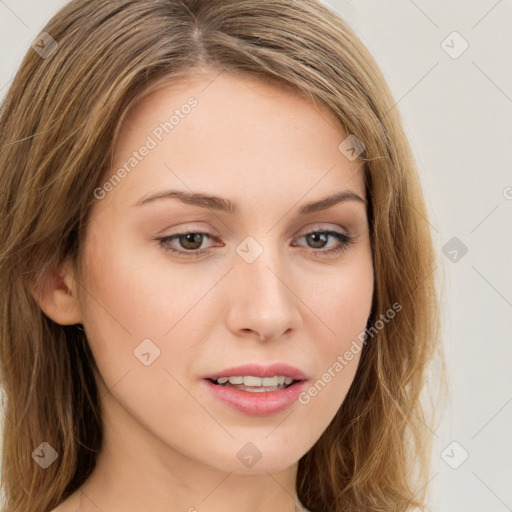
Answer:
[(344, 242)]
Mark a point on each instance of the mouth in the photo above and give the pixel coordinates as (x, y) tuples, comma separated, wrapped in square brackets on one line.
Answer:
[(257, 390), (254, 384)]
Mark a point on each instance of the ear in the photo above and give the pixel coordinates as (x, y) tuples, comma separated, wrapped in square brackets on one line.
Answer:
[(57, 296)]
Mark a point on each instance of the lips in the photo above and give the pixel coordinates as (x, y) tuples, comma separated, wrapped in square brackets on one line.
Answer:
[(252, 389), (255, 370)]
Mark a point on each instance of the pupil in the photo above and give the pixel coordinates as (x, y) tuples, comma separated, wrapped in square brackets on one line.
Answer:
[(318, 237), (192, 238)]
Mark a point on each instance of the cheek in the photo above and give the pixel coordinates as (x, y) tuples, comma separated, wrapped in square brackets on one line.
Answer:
[(130, 295), (343, 307), (337, 355), (343, 302), (132, 287)]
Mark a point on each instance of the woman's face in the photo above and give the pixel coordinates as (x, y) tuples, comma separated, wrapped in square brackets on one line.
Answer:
[(257, 282)]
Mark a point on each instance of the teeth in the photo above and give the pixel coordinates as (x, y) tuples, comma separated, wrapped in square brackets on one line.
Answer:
[(251, 381), (260, 390)]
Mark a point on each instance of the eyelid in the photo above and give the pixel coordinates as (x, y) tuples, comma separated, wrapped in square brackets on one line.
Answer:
[(191, 227), (184, 229), (322, 227)]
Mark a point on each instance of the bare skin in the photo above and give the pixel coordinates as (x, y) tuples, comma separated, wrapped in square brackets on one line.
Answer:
[(169, 444)]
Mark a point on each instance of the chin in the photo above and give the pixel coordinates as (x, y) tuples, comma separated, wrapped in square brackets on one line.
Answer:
[(259, 457)]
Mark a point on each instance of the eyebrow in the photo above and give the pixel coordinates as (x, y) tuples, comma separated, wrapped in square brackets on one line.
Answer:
[(225, 205)]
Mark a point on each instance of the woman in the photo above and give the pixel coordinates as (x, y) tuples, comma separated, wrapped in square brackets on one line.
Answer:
[(218, 277)]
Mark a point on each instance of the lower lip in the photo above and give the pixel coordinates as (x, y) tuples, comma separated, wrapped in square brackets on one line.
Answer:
[(257, 404)]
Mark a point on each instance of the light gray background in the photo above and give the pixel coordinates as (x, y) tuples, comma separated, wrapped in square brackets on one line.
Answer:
[(457, 113)]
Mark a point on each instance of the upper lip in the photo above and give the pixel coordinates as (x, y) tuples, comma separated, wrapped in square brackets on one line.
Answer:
[(256, 370)]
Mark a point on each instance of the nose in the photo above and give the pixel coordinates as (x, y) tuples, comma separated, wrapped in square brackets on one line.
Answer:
[(264, 304)]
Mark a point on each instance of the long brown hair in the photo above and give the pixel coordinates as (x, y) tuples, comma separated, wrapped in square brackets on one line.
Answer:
[(59, 123)]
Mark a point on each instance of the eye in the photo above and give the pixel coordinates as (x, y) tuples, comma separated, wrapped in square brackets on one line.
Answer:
[(319, 239), (191, 242)]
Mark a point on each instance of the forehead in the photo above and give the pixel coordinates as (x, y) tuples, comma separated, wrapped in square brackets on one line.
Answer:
[(229, 100), (218, 131)]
